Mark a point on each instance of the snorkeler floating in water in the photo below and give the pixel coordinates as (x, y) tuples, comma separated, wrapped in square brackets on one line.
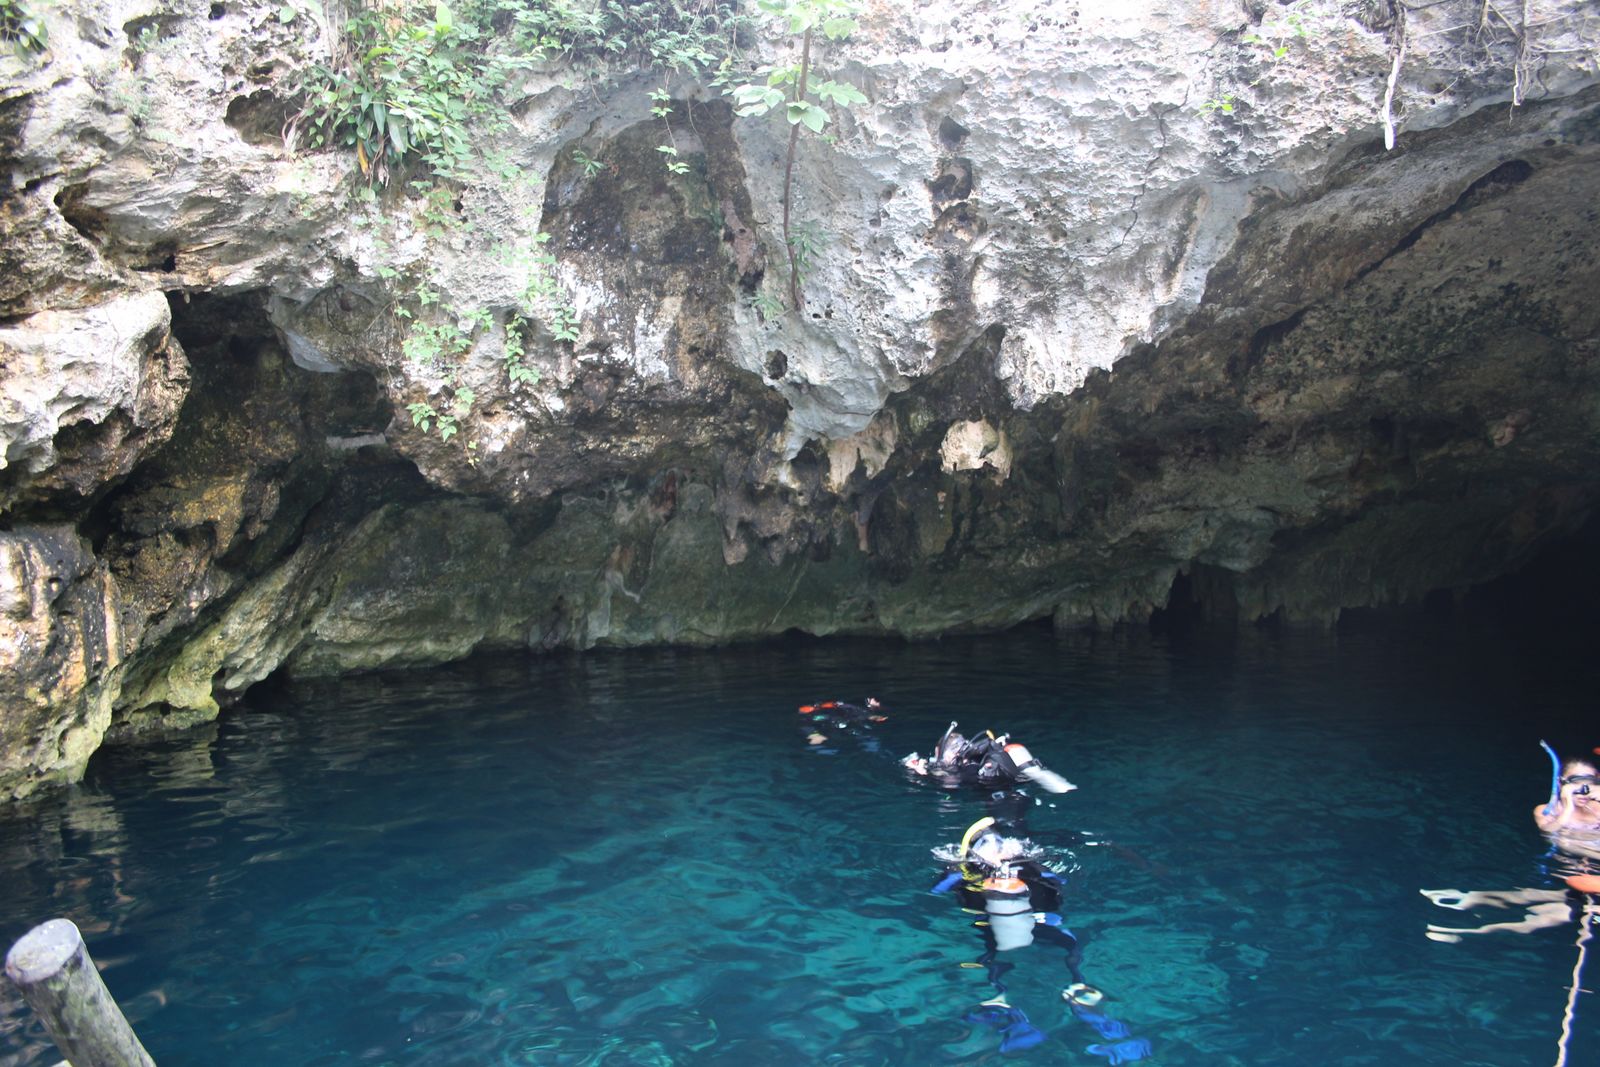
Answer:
[(986, 760), (1572, 819), (1574, 802), (1006, 881)]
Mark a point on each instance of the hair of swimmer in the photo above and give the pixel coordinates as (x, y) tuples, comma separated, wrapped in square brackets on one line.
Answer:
[(1579, 768)]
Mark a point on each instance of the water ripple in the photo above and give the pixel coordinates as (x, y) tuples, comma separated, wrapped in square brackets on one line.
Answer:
[(634, 859)]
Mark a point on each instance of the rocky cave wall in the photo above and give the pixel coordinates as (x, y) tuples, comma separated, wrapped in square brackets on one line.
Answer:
[(1106, 300)]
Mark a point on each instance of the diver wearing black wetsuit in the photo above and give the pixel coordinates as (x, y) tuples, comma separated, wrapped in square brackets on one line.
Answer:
[(987, 761), (1020, 897), (827, 723)]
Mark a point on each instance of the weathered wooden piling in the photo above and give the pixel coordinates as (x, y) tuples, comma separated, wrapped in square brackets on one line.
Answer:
[(51, 967)]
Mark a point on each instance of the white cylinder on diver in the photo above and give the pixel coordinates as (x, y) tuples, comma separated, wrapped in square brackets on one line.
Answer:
[(1010, 911), (1036, 772)]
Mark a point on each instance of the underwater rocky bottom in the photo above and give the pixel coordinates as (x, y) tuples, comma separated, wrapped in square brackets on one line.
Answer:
[(635, 858)]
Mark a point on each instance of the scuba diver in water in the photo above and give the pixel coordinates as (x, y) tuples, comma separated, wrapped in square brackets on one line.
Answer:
[(1004, 879), (828, 722), (986, 760)]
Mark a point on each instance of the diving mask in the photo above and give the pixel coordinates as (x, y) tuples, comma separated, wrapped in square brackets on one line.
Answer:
[(1583, 781), (992, 850)]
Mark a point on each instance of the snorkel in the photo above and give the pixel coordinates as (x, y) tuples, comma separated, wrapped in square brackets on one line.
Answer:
[(972, 834), (1555, 777)]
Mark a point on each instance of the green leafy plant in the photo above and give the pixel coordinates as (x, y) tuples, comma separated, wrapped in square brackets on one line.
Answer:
[(425, 416), (146, 40), (517, 372), (805, 241), (1293, 23), (803, 99), (460, 407), (412, 85), (23, 28), (415, 88), (564, 322), (766, 305), (438, 207), (543, 294), (628, 34), (662, 109), (428, 343), (691, 51), (1295, 18), (440, 337), (417, 82)]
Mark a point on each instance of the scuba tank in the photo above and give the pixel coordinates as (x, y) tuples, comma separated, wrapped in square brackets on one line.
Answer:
[(1007, 903), (1014, 760)]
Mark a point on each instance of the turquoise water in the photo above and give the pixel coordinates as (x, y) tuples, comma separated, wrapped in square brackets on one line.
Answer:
[(636, 859)]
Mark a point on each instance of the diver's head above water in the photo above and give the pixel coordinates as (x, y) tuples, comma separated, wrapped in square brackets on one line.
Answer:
[(951, 748), (1576, 803), (1581, 781), (992, 849), (946, 757), (988, 848)]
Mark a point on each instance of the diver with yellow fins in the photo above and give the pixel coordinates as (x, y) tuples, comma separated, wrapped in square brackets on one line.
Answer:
[(1006, 881), (985, 760)]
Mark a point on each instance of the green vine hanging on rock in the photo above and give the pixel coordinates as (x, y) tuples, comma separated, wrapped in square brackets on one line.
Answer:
[(803, 97)]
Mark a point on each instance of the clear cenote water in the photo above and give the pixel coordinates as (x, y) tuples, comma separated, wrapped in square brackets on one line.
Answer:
[(634, 858)]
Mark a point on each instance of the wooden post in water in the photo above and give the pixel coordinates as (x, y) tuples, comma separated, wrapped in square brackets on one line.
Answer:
[(50, 965)]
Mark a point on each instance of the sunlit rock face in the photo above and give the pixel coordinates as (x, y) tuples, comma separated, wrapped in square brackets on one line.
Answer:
[(1103, 303)]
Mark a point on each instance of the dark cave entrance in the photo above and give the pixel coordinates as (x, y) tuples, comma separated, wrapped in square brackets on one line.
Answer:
[(1557, 588), (1201, 595)]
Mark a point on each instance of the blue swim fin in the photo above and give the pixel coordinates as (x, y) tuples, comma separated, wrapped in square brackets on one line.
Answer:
[(1016, 1032), (1020, 1035), (1123, 1051), (994, 1016), (1103, 1025)]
